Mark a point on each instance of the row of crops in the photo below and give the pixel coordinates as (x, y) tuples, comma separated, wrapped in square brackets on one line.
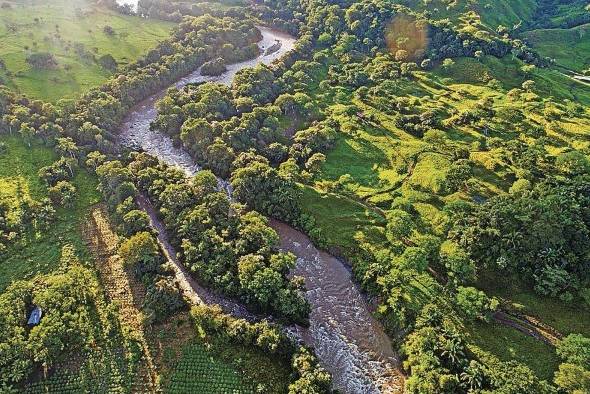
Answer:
[(101, 372), (198, 371)]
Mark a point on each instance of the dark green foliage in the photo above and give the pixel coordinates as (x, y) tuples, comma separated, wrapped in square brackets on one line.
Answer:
[(141, 252), (63, 193), (163, 299), (67, 299), (61, 170), (440, 361), (214, 67), (42, 60), (262, 188), (575, 349), (108, 62), (257, 83), (222, 245), (542, 233)]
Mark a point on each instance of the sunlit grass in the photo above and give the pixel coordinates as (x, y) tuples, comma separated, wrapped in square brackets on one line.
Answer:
[(57, 27)]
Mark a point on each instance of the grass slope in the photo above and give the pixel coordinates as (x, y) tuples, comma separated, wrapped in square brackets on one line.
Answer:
[(381, 164), (508, 344), (492, 13), (58, 27), (569, 47), (40, 252)]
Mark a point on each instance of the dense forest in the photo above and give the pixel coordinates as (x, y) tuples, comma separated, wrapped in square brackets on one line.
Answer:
[(438, 149)]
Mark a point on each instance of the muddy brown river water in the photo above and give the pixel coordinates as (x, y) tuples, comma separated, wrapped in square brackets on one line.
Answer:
[(348, 340)]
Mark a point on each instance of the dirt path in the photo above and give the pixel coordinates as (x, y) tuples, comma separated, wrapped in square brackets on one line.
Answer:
[(122, 289), (530, 326)]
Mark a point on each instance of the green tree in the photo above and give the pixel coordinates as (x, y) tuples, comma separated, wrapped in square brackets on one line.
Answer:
[(575, 349), (573, 379), (63, 193), (474, 303), (141, 252), (400, 226), (27, 132)]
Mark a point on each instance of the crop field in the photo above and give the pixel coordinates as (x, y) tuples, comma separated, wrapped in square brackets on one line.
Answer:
[(39, 252), (214, 365), (198, 372), (74, 33)]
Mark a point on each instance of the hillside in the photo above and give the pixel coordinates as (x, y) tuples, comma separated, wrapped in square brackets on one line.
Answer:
[(77, 35), (569, 47), (296, 197)]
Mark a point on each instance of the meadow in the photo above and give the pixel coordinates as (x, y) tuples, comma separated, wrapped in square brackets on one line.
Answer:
[(569, 47), (39, 251), (76, 33)]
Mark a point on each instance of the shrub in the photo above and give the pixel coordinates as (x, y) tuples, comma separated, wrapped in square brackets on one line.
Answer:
[(63, 194), (141, 252), (163, 298), (108, 62), (108, 30), (214, 67), (42, 60)]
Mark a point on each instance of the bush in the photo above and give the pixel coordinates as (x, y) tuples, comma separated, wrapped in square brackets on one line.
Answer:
[(141, 252), (108, 62), (42, 60), (108, 30), (214, 67), (474, 303), (62, 194), (163, 298)]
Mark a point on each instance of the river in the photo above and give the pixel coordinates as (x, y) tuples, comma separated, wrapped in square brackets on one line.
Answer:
[(348, 340), (131, 3)]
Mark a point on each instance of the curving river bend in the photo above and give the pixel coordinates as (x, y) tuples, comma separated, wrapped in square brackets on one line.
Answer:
[(348, 340)]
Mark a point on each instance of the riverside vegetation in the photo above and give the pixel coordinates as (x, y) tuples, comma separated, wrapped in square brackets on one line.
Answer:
[(438, 147)]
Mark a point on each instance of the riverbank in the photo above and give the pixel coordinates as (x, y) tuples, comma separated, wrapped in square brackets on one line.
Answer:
[(350, 343)]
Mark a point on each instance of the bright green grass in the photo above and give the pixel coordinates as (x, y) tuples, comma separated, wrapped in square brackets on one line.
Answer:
[(342, 220), (430, 172), (569, 47), (40, 252), (565, 318), (509, 344), (493, 12), (359, 157), (549, 81), (505, 12), (79, 23)]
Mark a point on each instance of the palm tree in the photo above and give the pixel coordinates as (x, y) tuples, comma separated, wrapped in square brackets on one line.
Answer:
[(473, 376)]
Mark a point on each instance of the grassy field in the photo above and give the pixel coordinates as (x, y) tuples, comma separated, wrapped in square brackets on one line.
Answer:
[(40, 252), (341, 219), (508, 344), (491, 14), (73, 31), (565, 318), (569, 47)]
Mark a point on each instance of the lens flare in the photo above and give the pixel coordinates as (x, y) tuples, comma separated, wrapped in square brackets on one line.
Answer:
[(406, 38)]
